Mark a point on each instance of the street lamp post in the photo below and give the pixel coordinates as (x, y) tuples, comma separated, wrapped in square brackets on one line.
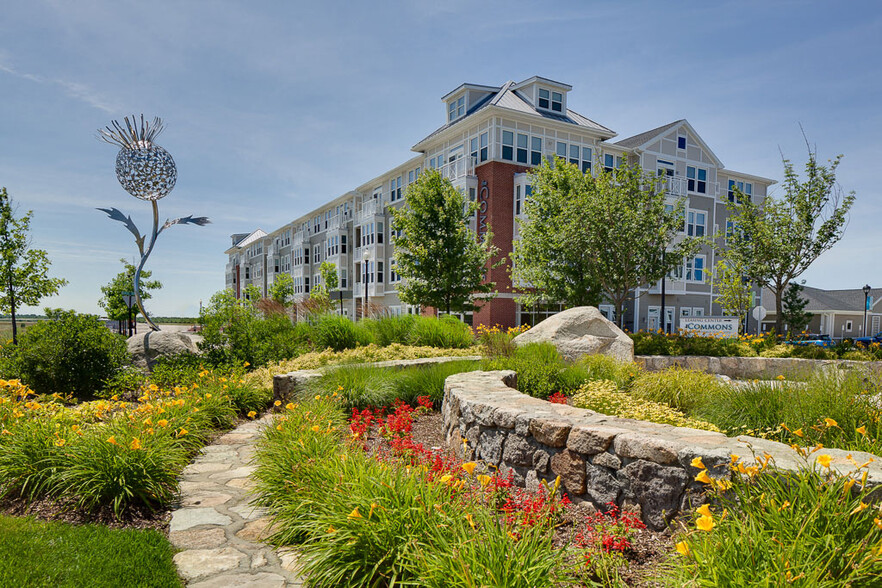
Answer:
[(664, 322), (866, 290)]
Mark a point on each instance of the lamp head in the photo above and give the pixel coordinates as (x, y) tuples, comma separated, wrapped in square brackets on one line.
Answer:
[(866, 290)]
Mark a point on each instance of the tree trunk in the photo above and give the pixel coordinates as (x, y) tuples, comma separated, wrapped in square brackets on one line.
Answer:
[(12, 309), (779, 310), (620, 318)]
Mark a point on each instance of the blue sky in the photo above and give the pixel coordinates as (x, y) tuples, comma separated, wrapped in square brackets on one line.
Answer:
[(275, 107)]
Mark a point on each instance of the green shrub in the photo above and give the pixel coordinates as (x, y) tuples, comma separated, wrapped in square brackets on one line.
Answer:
[(70, 353), (857, 355), (411, 383), (653, 343), (604, 367), (603, 396), (780, 350), (679, 388), (811, 352), (447, 332), (28, 458), (359, 386), (126, 383), (539, 369), (181, 369)]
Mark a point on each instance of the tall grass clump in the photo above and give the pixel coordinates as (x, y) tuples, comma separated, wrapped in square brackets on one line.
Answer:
[(337, 333), (359, 386), (411, 383), (680, 388), (446, 331), (392, 329), (810, 528), (604, 367)]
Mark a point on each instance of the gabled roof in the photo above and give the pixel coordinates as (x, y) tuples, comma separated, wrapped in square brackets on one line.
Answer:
[(851, 300), (643, 139), (254, 236), (510, 99)]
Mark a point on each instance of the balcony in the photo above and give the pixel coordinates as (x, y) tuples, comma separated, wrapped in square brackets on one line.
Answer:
[(455, 170), (370, 209), (299, 239), (675, 186)]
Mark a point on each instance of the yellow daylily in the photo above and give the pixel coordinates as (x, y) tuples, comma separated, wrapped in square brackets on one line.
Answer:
[(860, 507), (469, 467), (252, 414), (697, 463), (705, 523), (135, 444), (683, 549), (703, 477), (704, 510), (112, 439), (824, 460), (830, 422), (862, 430), (355, 514)]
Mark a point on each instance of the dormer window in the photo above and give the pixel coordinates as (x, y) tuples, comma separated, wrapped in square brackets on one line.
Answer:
[(550, 100), (455, 108)]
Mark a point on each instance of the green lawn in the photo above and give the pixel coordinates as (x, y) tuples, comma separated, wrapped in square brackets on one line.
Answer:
[(35, 554)]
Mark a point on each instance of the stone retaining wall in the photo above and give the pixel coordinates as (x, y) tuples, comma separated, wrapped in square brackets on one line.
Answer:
[(751, 368), (284, 384), (600, 459)]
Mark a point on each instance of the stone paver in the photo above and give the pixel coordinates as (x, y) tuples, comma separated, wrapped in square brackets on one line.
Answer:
[(218, 529)]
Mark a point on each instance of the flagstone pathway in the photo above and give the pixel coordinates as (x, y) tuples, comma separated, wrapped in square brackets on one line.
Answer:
[(218, 530)]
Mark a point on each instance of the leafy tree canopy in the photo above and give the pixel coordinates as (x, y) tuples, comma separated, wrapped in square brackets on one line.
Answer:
[(23, 269), (778, 239), (112, 293), (795, 316), (735, 295), (441, 261)]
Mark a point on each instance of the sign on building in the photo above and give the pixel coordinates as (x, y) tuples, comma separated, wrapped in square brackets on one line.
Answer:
[(710, 326)]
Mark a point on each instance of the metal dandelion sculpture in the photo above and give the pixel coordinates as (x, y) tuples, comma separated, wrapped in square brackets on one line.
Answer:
[(146, 171)]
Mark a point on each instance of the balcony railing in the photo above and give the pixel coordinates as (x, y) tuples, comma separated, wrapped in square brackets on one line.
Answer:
[(369, 209), (675, 186), (462, 167)]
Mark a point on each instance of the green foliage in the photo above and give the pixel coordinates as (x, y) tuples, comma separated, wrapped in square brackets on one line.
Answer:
[(181, 369), (795, 316), (23, 270), (235, 332), (682, 389), (389, 330), (337, 333), (40, 554), (282, 289), (805, 529), (70, 353), (735, 294), (604, 397), (654, 343), (446, 331), (442, 264), (112, 294), (541, 370), (604, 367), (592, 236), (778, 239), (811, 352)]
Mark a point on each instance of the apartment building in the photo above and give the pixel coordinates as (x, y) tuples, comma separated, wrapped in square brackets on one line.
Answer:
[(491, 138)]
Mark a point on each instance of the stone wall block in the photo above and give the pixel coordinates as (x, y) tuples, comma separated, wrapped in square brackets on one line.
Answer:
[(589, 440), (517, 451), (550, 432), (517, 474), (607, 460), (716, 461), (465, 412), (541, 459), (601, 486), (657, 489), (649, 447), (506, 417), (570, 466), (489, 447)]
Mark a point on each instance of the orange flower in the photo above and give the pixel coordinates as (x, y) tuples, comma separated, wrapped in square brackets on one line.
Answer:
[(705, 523), (469, 467), (252, 414), (862, 430), (824, 460), (355, 514), (704, 510), (136, 444), (112, 440), (683, 549), (703, 477), (830, 422), (697, 463)]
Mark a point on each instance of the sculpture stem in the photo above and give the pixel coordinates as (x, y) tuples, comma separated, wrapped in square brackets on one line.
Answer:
[(141, 266)]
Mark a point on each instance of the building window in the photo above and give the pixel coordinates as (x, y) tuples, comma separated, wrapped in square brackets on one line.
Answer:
[(610, 163), (473, 149), (507, 145), (745, 188), (695, 269), (848, 325), (380, 232), (695, 223), (484, 154), (550, 100), (343, 278), (380, 272), (456, 108), (316, 254), (517, 202), (535, 150), (696, 179), (522, 148), (306, 285), (681, 142), (395, 189), (410, 177)]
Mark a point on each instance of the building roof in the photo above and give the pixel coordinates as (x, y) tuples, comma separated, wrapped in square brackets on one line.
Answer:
[(509, 98), (851, 300), (251, 238), (646, 136)]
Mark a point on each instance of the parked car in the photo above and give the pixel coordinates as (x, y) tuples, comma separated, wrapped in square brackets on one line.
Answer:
[(867, 341), (817, 340)]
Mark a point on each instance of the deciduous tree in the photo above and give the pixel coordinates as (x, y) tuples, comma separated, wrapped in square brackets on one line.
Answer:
[(733, 287), (588, 237), (793, 303), (440, 259), (23, 269), (778, 239), (112, 293)]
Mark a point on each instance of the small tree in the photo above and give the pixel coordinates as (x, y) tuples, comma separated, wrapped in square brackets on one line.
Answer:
[(439, 258), (778, 240), (793, 303), (112, 294), (588, 237), (735, 295), (23, 270), (282, 290)]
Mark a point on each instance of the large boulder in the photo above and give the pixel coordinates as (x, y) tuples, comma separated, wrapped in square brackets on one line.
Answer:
[(581, 331), (146, 348)]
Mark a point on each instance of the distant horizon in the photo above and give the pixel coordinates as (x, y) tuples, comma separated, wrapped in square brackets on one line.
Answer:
[(309, 101)]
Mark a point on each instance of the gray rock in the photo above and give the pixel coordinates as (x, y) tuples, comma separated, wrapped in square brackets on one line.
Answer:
[(541, 459), (517, 451), (601, 486), (589, 440), (146, 348), (260, 580), (490, 446), (657, 489), (186, 518), (570, 466), (196, 563), (550, 432), (581, 331), (649, 447), (607, 460)]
